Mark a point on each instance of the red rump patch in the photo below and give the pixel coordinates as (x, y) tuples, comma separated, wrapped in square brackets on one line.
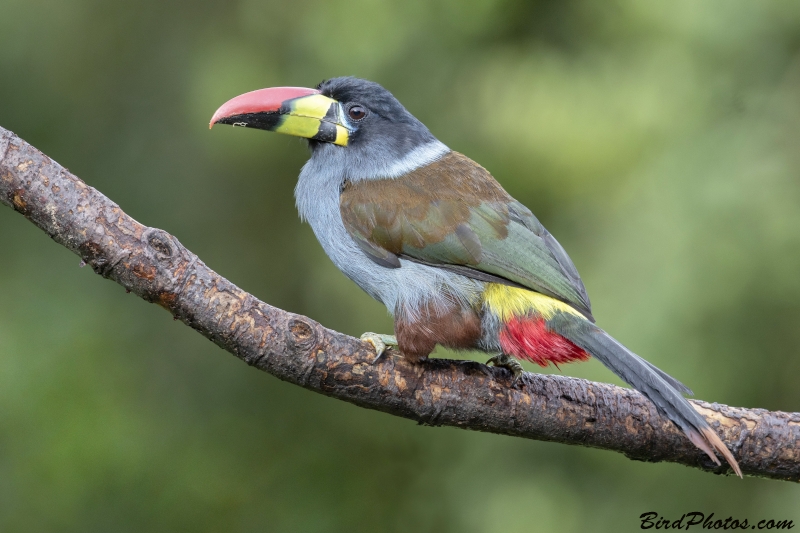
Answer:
[(528, 338)]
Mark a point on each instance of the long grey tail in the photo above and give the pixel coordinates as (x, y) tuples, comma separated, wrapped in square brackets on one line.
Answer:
[(660, 388)]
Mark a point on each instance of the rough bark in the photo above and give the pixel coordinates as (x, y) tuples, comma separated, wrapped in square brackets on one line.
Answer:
[(152, 264)]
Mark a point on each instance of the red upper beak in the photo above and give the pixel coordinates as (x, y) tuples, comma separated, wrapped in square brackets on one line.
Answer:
[(260, 101)]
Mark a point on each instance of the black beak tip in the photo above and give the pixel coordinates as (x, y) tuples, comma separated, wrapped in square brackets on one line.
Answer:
[(262, 121), (235, 120)]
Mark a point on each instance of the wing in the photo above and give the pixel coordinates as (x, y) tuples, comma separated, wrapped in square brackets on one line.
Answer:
[(454, 215)]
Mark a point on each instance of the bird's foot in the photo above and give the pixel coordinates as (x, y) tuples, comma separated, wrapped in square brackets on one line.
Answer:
[(509, 363), (379, 342)]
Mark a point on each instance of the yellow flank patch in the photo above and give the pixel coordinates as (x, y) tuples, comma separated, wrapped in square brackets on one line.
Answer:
[(508, 302)]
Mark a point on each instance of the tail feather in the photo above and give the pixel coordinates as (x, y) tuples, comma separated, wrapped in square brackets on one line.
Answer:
[(660, 388), (674, 383)]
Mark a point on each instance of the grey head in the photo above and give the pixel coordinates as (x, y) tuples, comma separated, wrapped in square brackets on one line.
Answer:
[(385, 139)]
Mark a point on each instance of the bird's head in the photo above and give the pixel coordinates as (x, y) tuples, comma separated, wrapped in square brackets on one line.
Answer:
[(351, 116)]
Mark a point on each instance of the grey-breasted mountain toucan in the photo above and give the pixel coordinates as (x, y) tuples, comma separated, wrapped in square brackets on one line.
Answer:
[(430, 234)]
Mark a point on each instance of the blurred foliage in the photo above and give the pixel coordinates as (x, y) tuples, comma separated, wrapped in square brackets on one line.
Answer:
[(657, 140)]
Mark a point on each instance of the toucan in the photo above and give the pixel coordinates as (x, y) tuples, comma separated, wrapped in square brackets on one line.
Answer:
[(434, 237)]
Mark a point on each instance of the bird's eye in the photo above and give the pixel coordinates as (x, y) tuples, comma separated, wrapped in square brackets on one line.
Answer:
[(357, 112)]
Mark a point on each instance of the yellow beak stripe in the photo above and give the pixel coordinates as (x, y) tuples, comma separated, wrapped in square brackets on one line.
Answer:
[(313, 106), (313, 117)]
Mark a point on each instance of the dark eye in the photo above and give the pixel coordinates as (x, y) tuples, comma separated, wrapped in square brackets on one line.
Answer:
[(357, 112)]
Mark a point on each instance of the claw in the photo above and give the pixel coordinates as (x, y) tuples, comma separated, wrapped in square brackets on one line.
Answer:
[(512, 365), (379, 342)]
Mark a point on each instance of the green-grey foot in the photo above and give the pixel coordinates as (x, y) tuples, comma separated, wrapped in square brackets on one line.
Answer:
[(379, 342), (509, 363)]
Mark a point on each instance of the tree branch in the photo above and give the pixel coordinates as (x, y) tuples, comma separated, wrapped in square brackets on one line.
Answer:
[(152, 263)]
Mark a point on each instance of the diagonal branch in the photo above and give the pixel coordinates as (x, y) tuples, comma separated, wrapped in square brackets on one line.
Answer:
[(153, 264)]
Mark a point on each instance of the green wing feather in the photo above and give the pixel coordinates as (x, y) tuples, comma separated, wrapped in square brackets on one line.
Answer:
[(456, 216)]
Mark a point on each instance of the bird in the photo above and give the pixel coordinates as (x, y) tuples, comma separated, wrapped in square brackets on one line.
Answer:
[(433, 236)]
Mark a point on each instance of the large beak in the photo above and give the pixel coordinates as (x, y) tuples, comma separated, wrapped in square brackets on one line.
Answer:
[(291, 110)]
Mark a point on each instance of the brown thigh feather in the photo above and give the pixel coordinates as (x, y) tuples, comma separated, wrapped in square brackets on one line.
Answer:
[(457, 328)]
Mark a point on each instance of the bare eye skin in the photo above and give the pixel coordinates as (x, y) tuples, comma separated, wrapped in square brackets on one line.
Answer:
[(357, 112)]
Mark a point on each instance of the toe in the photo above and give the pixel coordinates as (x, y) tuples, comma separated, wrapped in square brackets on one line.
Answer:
[(497, 360), (376, 342), (379, 342)]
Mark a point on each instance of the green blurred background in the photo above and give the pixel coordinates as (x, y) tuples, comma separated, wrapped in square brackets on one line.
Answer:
[(657, 140)]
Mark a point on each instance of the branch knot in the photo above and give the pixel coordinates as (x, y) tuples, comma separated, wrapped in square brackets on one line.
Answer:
[(161, 243), (301, 335)]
